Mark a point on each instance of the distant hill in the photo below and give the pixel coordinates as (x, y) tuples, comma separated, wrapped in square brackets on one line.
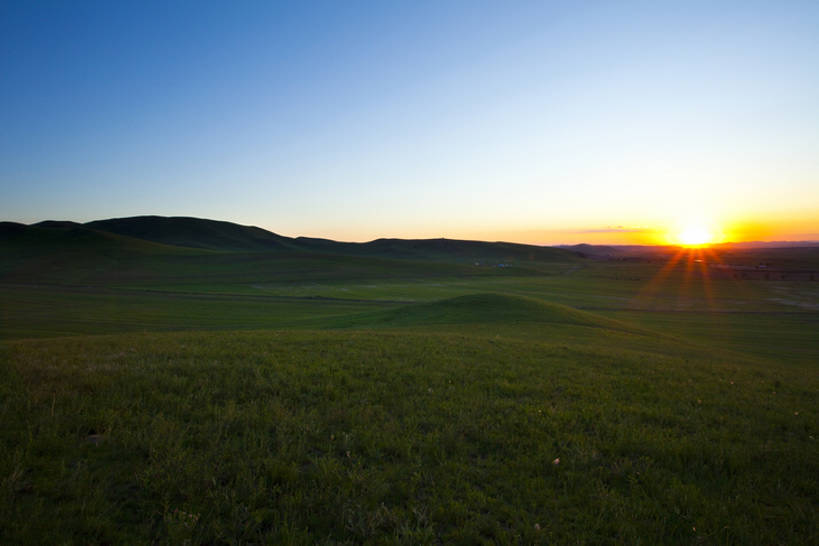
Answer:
[(622, 251), (473, 252), (218, 235), (153, 250), (769, 244), (56, 238), (493, 253), (70, 252), (597, 251), (57, 224), (194, 232)]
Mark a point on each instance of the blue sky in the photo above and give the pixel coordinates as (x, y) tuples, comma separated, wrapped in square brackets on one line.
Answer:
[(530, 121)]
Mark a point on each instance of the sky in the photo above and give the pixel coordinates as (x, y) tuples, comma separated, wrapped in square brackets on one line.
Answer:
[(537, 122)]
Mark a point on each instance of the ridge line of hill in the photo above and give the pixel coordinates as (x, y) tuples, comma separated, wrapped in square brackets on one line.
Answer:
[(204, 234)]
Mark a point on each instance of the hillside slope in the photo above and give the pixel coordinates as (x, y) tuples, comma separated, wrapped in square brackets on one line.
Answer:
[(480, 252), (179, 250), (219, 235), (71, 254), (56, 237), (64, 251), (194, 232)]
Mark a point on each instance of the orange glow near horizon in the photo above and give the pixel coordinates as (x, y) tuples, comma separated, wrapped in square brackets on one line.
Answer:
[(686, 227)]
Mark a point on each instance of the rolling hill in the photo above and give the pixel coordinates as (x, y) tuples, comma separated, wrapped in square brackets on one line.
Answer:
[(208, 247), (227, 236), (66, 252), (153, 250), (194, 232), (63, 237), (484, 308)]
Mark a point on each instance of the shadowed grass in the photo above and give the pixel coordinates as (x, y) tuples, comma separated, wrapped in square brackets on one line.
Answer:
[(350, 437)]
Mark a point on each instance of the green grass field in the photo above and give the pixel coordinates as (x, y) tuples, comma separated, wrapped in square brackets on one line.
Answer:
[(152, 393)]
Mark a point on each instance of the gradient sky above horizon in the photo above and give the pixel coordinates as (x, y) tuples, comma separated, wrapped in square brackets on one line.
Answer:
[(537, 122)]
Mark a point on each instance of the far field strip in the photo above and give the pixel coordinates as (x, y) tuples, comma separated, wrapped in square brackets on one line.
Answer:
[(197, 295)]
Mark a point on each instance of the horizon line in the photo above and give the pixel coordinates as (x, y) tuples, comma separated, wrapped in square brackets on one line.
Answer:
[(643, 245)]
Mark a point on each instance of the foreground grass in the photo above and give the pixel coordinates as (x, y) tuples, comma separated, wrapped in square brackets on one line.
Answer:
[(399, 436)]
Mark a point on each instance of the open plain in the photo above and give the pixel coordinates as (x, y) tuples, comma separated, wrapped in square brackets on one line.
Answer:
[(189, 383)]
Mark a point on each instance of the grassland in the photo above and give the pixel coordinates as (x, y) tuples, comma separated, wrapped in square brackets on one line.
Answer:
[(154, 393)]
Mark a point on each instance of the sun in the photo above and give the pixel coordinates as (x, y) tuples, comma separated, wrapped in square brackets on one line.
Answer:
[(694, 233)]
